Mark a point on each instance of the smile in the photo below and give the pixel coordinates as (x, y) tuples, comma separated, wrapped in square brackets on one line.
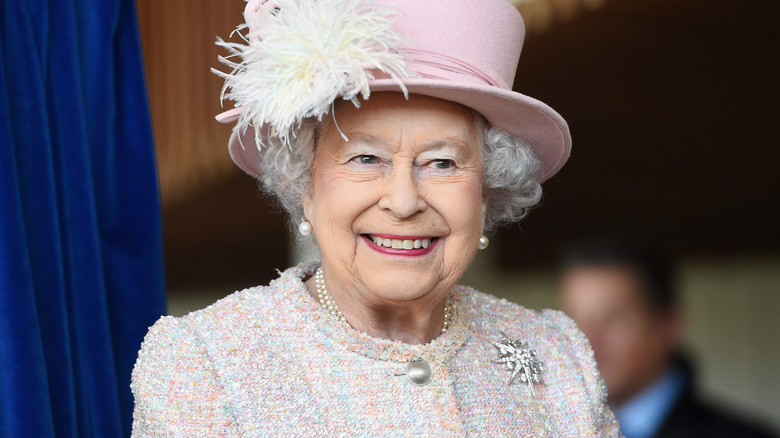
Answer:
[(400, 244)]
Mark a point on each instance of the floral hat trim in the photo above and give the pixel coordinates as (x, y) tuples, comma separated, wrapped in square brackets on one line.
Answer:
[(299, 56)]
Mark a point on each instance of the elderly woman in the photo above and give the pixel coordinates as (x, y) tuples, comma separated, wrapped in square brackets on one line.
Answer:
[(389, 132)]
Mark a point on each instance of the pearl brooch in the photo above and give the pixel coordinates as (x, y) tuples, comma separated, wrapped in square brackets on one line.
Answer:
[(419, 372)]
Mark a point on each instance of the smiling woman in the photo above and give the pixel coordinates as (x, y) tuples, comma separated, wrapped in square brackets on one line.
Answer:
[(411, 171), (388, 132)]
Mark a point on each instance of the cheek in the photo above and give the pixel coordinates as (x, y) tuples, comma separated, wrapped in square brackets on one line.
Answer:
[(462, 205), (337, 200)]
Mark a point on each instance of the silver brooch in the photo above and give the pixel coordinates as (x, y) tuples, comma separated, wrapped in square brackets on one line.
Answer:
[(521, 360)]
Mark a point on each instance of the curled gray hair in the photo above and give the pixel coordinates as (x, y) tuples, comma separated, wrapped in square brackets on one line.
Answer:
[(509, 173)]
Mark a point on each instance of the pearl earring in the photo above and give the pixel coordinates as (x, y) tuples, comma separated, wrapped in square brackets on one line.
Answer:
[(304, 227), (483, 242)]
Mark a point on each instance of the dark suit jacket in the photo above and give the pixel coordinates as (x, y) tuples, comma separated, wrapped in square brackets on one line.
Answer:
[(690, 418)]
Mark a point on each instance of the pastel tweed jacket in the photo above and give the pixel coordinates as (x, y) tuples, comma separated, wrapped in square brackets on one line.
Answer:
[(269, 361)]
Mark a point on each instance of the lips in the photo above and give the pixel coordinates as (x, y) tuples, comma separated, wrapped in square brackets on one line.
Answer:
[(401, 243)]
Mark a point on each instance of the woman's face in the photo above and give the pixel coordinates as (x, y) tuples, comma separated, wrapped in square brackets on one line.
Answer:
[(398, 209)]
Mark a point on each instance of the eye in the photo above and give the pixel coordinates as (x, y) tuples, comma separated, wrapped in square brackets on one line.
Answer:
[(443, 164), (365, 159)]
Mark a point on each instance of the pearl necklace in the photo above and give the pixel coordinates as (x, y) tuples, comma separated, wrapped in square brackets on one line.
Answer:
[(333, 309), (325, 299)]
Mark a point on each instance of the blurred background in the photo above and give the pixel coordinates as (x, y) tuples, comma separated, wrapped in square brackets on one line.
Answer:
[(672, 106)]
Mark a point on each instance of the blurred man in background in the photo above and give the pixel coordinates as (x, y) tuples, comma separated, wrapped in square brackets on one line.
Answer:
[(622, 296)]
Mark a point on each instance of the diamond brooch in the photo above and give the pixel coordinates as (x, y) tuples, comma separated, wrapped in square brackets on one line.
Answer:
[(521, 360)]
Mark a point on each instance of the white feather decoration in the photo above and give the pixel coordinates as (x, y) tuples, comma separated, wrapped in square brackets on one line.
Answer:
[(302, 55)]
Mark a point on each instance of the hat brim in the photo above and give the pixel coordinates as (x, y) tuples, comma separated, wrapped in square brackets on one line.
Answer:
[(521, 116)]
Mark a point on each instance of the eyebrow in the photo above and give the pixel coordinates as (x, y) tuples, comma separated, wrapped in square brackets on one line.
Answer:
[(445, 142), (455, 144)]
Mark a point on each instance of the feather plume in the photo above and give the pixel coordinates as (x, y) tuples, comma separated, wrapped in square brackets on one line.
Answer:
[(302, 55)]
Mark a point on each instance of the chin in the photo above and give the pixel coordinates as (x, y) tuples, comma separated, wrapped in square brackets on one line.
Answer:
[(401, 284)]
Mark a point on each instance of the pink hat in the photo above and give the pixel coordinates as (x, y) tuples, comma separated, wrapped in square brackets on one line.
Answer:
[(457, 50)]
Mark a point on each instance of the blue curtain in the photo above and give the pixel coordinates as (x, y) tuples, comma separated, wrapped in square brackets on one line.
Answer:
[(81, 275)]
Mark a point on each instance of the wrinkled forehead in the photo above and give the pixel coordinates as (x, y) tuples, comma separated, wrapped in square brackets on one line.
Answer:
[(376, 122)]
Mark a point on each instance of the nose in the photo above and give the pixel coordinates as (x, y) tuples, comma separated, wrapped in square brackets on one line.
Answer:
[(402, 193)]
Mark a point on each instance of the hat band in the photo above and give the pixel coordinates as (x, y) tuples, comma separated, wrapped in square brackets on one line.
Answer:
[(432, 65)]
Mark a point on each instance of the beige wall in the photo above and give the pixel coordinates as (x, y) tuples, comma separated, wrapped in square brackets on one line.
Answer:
[(733, 309)]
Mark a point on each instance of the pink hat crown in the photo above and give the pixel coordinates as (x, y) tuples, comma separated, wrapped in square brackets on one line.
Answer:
[(467, 42)]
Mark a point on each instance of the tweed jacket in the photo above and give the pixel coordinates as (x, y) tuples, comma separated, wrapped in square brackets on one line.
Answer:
[(269, 361)]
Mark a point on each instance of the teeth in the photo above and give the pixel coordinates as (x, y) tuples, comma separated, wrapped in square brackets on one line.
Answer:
[(401, 244)]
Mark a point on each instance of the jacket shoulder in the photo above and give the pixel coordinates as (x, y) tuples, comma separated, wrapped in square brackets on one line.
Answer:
[(175, 386)]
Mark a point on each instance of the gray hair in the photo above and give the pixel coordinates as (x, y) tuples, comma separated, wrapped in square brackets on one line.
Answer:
[(509, 173)]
